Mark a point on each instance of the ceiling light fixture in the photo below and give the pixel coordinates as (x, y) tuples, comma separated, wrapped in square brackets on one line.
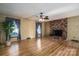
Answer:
[(42, 17)]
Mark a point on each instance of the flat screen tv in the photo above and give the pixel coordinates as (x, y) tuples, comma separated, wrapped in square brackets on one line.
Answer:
[(57, 32)]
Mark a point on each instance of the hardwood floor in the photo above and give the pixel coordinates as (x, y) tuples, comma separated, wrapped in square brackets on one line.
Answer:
[(47, 46)]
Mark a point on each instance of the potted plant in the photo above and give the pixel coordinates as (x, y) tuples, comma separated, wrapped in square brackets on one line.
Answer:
[(8, 27)]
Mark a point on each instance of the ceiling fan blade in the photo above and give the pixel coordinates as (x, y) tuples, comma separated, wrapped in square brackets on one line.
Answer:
[(46, 17)]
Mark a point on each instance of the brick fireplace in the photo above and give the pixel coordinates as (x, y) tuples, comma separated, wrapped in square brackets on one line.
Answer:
[(59, 28)]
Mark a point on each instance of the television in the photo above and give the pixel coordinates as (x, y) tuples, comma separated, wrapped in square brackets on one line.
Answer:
[(57, 32)]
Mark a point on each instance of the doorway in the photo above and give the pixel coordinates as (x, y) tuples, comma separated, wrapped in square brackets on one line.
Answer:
[(38, 30)]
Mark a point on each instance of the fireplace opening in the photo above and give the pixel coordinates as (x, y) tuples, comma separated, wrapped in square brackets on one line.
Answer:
[(56, 33)]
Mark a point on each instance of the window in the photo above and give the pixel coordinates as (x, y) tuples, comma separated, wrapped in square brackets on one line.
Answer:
[(15, 31)]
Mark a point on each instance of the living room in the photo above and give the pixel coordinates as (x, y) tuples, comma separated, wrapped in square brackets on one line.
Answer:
[(44, 30)]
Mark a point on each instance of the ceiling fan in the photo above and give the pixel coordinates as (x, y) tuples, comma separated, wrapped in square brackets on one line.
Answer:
[(43, 17), (40, 17)]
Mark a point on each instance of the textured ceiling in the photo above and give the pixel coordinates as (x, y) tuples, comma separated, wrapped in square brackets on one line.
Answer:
[(53, 10)]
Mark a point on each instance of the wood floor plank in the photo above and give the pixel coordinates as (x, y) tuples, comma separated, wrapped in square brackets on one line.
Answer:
[(47, 46)]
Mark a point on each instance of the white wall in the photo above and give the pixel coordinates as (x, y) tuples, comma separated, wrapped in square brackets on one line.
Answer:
[(2, 19), (2, 33), (73, 28), (27, 29)]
